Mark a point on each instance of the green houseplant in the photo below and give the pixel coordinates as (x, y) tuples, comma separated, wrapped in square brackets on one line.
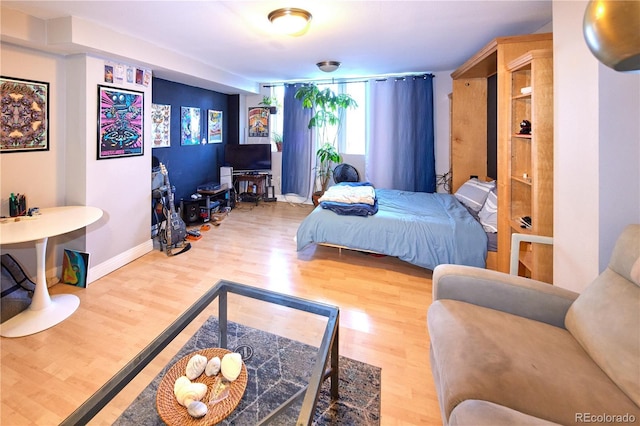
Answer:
[(327, 108), (277, 139), (271, 102)]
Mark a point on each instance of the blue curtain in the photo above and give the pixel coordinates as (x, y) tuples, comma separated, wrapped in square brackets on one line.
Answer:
[(400, 142), (297, 149)]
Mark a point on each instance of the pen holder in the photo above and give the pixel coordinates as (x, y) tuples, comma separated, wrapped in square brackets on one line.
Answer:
[(17, 205)]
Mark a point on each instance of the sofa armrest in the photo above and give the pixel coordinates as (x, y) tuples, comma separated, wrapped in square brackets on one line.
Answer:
[(503, 292)]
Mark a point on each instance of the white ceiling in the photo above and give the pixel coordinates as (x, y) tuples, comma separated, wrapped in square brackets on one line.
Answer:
[(368, 37)]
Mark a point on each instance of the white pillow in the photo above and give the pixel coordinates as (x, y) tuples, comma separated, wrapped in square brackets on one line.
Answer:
[(489, 213), (473, 193)]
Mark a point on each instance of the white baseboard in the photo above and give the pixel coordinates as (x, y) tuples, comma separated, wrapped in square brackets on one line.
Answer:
[(118, 261), (293, 198)]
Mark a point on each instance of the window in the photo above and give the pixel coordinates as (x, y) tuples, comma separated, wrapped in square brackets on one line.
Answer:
[(277, 119), (352, 137)]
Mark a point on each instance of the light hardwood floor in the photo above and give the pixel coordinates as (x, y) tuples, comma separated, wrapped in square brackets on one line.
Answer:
[(383, 304)]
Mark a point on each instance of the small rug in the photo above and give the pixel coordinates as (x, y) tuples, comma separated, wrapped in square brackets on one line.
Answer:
[(273, 374)]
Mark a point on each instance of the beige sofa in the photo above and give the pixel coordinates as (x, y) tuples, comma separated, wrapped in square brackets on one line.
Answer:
[(506, 350)]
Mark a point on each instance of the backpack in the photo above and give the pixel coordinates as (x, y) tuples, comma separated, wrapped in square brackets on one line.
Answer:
[(17, 289)]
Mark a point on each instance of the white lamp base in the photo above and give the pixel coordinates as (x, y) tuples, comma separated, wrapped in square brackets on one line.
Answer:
[(32, 321)]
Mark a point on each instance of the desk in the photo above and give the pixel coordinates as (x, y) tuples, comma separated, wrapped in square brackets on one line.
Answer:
[(45, 311)]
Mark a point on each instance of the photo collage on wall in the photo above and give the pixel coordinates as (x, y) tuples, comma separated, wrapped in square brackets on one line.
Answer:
[(121, 73)]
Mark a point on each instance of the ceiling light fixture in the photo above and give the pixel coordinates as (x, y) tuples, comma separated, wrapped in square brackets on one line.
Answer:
[(328, 66), (611, 32), (290, 20)]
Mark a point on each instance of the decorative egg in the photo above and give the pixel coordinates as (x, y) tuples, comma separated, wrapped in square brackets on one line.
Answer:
[(180, 382), (197, 409), (213, 367), (189, 393), (196, 366), (231, 365)]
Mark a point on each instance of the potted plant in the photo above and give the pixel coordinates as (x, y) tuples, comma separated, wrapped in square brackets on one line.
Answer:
[(326, 156), (327, 108), (271, 102), (277, 139)]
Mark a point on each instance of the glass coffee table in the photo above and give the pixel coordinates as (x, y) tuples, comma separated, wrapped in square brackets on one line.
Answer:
[(285, 377)]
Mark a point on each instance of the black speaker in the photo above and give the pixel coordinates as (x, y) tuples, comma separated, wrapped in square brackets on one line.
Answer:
[(191, 212)]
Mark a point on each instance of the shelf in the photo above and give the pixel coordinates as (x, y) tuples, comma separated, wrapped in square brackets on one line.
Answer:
[(515, 226), (521, 136), (522, 180), (526, 96), (526, 259)]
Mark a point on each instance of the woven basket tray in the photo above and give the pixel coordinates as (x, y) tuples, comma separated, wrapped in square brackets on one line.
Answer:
[(172, 413)]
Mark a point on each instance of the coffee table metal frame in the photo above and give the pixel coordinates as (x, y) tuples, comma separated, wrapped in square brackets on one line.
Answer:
[(328, 350)]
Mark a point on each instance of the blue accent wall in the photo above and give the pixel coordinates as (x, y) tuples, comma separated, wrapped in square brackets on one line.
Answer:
[(193, 165)]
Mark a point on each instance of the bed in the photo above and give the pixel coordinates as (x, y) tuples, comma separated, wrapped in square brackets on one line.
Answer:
[(420, 228)]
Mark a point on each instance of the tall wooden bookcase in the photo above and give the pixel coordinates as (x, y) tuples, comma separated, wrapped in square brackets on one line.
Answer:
[(529, 187), (468, 137)]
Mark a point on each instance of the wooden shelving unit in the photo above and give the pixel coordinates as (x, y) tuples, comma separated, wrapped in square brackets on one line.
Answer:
[(471, 123), (530, 166)]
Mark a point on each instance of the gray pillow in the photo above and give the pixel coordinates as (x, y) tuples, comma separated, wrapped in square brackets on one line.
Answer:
[(489, 213), (473, 193)]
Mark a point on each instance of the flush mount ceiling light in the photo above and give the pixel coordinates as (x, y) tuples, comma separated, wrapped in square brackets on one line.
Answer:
[(611, 32), (328, 66), (290, 20)]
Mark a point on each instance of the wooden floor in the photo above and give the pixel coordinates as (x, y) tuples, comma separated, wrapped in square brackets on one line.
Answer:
[(383, 304)]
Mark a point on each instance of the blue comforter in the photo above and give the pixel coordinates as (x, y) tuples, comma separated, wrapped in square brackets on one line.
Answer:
[(420, 228)]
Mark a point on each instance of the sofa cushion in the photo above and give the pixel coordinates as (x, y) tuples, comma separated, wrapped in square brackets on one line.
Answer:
[(484, 413), (605, 319), (529, 366)]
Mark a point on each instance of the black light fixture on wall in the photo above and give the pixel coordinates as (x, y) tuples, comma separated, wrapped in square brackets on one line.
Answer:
[(612, 32)]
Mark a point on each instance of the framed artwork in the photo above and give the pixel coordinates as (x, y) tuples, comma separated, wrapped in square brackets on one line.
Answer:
[(214, 130), (75, 268), (161, 125), (259, 122), (189, 126), (120, 123), (24, 119)]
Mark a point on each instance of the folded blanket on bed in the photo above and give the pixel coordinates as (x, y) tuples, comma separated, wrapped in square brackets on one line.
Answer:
[(350, 193), (351, 209)]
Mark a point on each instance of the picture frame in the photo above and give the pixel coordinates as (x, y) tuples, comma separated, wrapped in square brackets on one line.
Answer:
[(120, 123), (189, 126), (160, 125), (258, 122), (75, 268), (214, 128), (24, 125)]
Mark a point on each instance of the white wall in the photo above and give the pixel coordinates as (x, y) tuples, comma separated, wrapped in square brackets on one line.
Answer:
[(121, 187), (596, 158), (70, 174), (619, 154), (35, 173), (442, 87)]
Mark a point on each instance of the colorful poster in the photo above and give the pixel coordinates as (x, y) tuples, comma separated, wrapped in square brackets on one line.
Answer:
[(75, 267), (189, 126), (259, 122), (161, 125), (24, 118), (215, 127), (120, 123)]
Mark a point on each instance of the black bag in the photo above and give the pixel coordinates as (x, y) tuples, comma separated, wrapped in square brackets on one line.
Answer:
[(17, 289)]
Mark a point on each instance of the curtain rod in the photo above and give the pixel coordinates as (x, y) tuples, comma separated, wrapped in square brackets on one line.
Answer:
[(347, 81)]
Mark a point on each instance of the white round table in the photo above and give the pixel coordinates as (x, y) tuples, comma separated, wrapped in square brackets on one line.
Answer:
[(45, 311)]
